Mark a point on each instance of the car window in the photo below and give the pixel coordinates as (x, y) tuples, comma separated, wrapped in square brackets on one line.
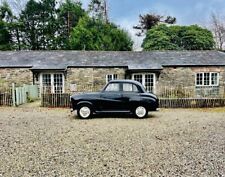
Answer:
[(113, 87), (130, 87)]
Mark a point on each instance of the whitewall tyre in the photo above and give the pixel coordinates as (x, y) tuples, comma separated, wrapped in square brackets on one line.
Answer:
[(84, 112), (140, 112)]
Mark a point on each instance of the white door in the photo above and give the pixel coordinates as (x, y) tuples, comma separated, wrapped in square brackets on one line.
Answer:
[(147, 80), (52, 83)]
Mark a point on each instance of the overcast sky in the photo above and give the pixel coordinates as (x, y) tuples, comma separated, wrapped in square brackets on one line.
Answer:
[(125, 12)]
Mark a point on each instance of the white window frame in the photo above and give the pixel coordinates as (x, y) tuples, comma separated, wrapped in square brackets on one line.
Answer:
[(210, 79), (113, 77), (143, 79), (52, 81)]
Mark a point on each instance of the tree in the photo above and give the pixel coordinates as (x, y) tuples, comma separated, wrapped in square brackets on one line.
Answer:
[(5, 20), (5, 37), (192, 37), (91, 34), (39, 25), (69, 13), (150, 20), (218, 29), (32, 24), (5, 12), (98, 10)]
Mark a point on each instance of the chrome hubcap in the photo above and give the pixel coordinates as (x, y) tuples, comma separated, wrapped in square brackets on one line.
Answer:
[(140, 111), (85, 112)]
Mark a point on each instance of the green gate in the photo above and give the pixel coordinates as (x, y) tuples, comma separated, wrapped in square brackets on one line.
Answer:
[(24, 94)]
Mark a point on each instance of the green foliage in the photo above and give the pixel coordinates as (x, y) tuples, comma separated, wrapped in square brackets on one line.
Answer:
[(5, 19), (192, 37), (98, 10), (5, 12), (39, 25), (69, 13), (91, 34), (5, 37), (148, 21), (48, 25)]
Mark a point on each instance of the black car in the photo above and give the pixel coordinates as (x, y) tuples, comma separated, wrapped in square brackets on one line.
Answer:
[(122, 96)]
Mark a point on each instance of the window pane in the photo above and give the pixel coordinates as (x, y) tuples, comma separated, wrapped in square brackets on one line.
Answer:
[(46, 83), (58, 83), (46, 80), (214, 78), (149, 82), (138, 77), (129, 88), (206, 78), (110, 77), (114, 87), (199, 79)]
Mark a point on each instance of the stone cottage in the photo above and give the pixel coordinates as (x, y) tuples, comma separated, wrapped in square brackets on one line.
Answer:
[(70, 71)]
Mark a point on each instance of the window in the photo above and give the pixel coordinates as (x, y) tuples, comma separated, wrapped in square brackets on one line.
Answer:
[(110, 77), (207, 79), (52, 83), (130, 88), (113, 87), (138, 77), (58, 83), (46, 83), (147, 80)]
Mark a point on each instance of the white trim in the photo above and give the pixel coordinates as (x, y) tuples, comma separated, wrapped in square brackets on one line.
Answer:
[(210, 79), (52, 81), (143, 79), (113, 77)]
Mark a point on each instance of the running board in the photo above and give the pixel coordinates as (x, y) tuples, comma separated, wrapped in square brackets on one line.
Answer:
[(112, 111)]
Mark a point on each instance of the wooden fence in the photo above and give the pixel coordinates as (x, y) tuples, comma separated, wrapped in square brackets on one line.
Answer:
[(192, 102), (15, 96), (55, 100), (6, 98), (63, 101)]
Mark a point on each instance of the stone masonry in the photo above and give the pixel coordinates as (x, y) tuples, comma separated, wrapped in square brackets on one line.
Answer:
[(19, 76), (88, 79), (185, 77)]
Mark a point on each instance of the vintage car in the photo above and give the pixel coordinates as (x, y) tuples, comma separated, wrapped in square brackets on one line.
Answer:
[(118, 96)]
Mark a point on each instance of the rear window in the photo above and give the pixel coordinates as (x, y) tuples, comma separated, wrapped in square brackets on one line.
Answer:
[(129, 87)]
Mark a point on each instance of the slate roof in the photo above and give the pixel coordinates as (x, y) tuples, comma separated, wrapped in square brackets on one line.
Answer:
[(130, 60)]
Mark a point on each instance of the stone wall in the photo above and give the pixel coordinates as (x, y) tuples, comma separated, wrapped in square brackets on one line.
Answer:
[(88, 79), (185, 77), (19, 76)]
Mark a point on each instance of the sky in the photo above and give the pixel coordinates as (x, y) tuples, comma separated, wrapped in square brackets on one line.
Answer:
[(125, 13)]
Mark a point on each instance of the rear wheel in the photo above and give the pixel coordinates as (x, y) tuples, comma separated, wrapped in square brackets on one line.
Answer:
[(140, 112), (84, 111)]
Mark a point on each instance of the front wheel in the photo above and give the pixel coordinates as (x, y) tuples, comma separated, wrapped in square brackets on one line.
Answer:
[(140, 112), (84, 111)]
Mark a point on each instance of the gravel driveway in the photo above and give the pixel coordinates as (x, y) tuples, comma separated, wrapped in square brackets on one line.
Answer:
[(42, 142)]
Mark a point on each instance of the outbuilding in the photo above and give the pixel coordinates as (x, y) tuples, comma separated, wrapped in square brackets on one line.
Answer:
[(71, 71)]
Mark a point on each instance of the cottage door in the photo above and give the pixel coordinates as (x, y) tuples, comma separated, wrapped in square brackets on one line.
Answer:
[(52, 83), (146, 79)]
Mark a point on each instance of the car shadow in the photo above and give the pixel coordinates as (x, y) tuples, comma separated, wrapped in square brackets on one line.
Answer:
[(116, 115)]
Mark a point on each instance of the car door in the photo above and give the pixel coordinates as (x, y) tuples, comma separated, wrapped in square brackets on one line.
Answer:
[(111, 98), (130, 95)]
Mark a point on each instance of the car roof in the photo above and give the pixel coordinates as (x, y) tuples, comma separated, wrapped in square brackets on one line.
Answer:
[(126, 81)]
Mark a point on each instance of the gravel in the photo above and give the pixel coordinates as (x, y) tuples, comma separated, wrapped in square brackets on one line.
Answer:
[(53, 142)]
